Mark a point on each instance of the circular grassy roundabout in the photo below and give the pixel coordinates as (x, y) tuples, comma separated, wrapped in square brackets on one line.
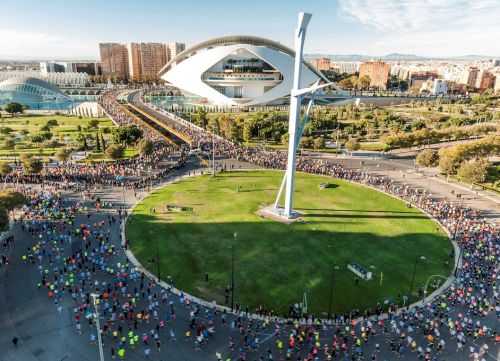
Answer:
[(191, 224)]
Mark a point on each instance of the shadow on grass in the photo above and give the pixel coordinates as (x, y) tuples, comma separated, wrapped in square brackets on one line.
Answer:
[(351, 210), (375, 216), (275, 262), (256, 190)]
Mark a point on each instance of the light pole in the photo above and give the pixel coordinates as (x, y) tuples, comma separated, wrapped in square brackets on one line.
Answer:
[(98, 325), (422, 258), (213, 155), (330, 303)]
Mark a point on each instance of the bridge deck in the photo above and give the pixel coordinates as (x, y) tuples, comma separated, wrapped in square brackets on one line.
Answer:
[(169, 133), (161, 121)]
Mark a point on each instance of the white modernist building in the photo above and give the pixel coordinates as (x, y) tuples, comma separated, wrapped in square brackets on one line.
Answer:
[(237, 71)]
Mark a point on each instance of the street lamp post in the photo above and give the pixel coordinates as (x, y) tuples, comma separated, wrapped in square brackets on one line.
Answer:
[(213, 155), (330, 303), (415, 272), (98, 325)]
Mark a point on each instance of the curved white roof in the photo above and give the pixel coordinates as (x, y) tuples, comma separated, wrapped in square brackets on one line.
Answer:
[(34, 82), (186, 70)]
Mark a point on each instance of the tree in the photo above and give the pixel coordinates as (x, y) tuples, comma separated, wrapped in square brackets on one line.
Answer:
[(473, 171), (52, 123), (63, 154), (200, 117), (46, 135), (284, 138), (94, 123), (115, 151), (352, 145), (347, 83), (428, 158), (5, 168), (32, 165), (14, 108), (127, 135), (5, 130), (319, 143), (11, 199), (97, 143), (146, 147), (364, 82), (306, 142), (82, 139), (103, 143), (213, 125)]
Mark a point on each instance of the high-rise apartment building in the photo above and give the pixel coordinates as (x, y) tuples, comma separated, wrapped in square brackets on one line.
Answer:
[(469, 77), (321, 64), (114, 59), (137, 61), (487, 80), (377, 71), (134, 61), (145, 60), (173, 49)]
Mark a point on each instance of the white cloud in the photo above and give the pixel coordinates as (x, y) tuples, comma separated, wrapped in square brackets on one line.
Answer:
[(430, 26), (30, 44)]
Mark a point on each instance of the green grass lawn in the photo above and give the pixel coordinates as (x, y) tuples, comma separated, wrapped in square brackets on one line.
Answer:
[(65, 132), (275, 263)]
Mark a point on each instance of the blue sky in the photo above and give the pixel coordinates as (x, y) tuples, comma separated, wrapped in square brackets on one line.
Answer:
[(72, 28)]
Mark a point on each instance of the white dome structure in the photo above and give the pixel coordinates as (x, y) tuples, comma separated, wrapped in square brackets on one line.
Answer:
[(237, 71)]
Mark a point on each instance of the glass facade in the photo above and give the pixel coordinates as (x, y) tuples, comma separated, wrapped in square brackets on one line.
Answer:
[(34, 93)]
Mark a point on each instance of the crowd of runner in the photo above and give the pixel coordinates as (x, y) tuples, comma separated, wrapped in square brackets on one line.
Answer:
[(140, 317)]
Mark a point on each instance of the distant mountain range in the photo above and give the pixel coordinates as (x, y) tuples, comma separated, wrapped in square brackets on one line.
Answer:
[(396, 57)]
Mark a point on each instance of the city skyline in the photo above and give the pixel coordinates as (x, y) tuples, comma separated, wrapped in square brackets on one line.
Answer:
[(447, 28)]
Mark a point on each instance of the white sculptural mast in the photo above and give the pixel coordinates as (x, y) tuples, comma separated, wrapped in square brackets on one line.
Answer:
[(295, 102)]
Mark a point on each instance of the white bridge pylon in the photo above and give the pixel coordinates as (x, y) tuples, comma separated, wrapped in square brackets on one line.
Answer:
[(296, 125)]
